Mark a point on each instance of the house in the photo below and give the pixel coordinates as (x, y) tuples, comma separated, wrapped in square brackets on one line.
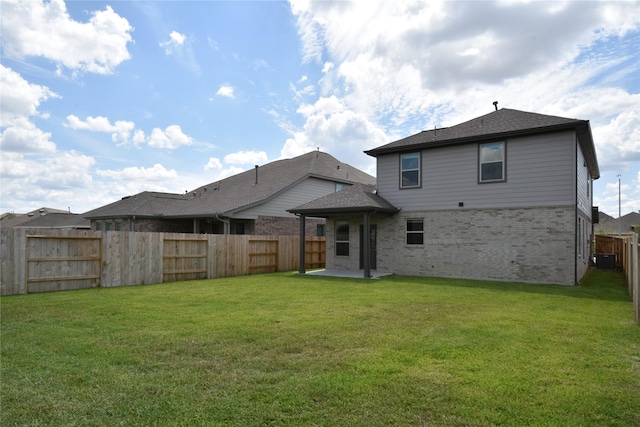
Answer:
[(625, 225), (506, 196), (45, 218), (251, 202)]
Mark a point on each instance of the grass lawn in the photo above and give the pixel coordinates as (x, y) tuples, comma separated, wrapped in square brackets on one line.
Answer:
[(284, 349)]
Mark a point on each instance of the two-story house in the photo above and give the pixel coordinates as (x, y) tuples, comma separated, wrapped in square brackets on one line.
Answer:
[(505, 196)]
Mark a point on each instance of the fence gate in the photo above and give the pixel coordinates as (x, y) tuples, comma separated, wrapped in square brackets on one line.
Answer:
[(184, 259), (58, 263), (263, 255)]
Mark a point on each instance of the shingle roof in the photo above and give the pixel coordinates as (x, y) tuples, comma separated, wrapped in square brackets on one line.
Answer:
[(502, 123), (56, 220), (10, 220), (355, 199), (240, 191), (609, 224)]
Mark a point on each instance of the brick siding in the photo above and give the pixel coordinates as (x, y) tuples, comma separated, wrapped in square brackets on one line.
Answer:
[(535, 245), (280, 226)]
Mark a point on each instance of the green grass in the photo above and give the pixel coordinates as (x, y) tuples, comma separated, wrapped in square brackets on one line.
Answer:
[(284, 349)]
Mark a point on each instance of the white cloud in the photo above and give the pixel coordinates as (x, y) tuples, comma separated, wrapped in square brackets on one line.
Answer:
[(65, 171), (24, 137), (120, 130), (172, 137), (335, 129), (155, 173), (36, 28), (175, 42), (219, 172), (246, 158), (180, 46), (213, 164), (124, 132), (226, 91), (618, 141), (20, 99)]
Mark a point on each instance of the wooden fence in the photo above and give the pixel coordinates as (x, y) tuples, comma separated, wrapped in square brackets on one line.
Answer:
[(631, 266), (627, 255), (54, 260)]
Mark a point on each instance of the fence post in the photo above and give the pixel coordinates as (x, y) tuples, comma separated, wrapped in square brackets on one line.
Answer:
[(634, 280)]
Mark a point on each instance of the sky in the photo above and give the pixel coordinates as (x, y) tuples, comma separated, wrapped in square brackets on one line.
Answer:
[(102, 100)]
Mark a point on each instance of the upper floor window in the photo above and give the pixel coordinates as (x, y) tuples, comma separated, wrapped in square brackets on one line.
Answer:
[(339, 186), (410, 170), (492, 164)]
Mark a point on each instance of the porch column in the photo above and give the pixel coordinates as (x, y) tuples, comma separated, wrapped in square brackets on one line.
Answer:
[(303, 248), (366, 250)]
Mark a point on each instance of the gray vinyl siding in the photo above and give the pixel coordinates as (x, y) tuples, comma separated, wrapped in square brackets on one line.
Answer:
[(583, 184), (303, 192), (539, 172)]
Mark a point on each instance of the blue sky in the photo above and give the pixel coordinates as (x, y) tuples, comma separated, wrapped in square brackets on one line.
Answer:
[(102, 100)]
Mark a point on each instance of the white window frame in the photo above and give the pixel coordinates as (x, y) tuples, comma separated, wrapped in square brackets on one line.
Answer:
[(502, 160), (417, 169), (414, 232)]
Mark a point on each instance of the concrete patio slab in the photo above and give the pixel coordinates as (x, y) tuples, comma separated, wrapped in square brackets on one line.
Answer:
[(353, 274)]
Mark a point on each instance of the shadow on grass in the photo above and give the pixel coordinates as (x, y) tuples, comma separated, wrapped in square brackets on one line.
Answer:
[(598, 284)]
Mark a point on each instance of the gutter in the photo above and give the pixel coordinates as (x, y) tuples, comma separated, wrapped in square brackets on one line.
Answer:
[(226, 222)]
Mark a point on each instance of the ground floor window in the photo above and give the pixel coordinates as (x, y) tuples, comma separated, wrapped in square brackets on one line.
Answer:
[(320, 230), (342, 238), (415, 231)]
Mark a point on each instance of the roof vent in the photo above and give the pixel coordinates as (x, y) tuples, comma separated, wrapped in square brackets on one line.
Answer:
[(495, 104)]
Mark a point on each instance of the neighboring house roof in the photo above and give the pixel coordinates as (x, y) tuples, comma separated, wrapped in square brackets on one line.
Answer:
[(503, 123), (9, 220), (241, 191), (57, 220), (609, 225), (355, 199)]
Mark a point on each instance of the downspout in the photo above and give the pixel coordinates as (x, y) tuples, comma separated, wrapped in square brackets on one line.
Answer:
[(226, 222), (575, 215)]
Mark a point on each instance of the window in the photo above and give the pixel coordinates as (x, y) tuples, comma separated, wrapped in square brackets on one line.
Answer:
[(239, 226), (492, 162), (415, 232), (342, 238), (339, 186), (320, 230), (410, 170)]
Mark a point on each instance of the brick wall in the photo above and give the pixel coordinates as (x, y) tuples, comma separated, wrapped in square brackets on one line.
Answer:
[(523, 245), (280, 226), (144, 224)]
